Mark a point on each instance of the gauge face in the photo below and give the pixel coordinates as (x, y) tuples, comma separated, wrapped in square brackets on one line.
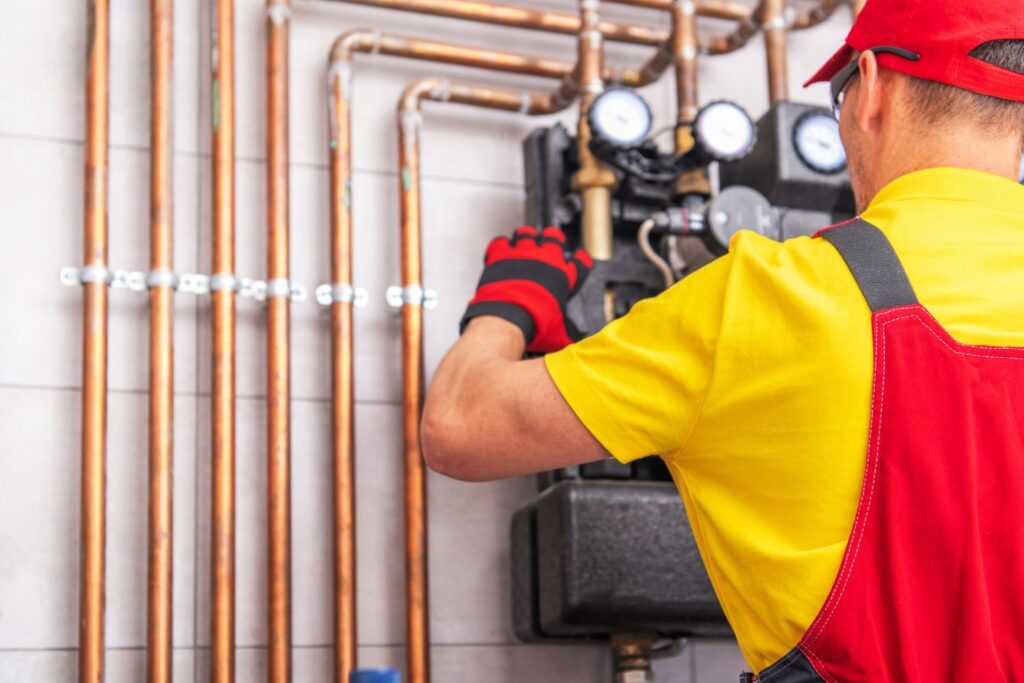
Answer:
[(724, 131), (1020, 173), (816, 137), (620, 117)]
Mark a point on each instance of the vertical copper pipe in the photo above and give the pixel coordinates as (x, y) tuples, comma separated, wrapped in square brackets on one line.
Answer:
[(410, 121), (94, 348), (342, 378), (684, 51), (339, 93), (416, 581), (161, 331), (857, 7), (775, 49), (278, 381), (594, 180), (222, 646)]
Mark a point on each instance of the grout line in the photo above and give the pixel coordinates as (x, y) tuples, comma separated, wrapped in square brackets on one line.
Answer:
[(313, 165), (312, 646), (194, 394)]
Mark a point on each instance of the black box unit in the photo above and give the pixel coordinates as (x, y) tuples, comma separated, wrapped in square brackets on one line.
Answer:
[(776, 170), (593, 557)]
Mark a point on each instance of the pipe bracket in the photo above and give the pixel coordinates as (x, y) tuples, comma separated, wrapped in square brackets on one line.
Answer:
[(189, 283), (134, 280), (413, 295), (341, 292)]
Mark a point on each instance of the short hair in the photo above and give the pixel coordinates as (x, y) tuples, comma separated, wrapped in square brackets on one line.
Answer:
[(938, 103)]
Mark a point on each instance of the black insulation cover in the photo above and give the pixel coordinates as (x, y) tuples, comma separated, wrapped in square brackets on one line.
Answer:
[(593, 557)]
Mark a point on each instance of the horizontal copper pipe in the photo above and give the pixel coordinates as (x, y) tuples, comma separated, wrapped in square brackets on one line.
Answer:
[(816, 15), (521, 17), (161, 371), (367, 41), (92, 555), (363, 40), (736, 12), (715, 9)]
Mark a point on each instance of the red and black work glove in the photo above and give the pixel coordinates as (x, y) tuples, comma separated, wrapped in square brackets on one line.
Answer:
[(527, 281)]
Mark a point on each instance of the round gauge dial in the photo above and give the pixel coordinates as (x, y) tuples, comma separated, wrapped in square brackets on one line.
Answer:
[(724, 131), (817, 142), (620, 117)]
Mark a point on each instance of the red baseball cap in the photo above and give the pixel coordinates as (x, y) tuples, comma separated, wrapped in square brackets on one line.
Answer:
[(943, 33)]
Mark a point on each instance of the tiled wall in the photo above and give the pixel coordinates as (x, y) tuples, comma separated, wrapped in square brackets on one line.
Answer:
[(472, 191)]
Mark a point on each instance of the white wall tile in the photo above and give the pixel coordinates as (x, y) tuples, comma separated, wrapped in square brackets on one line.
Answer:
[(502, 663), (40, 494), (718, 660), (42, 48), (46, 234), (43, 59), (127, 519)]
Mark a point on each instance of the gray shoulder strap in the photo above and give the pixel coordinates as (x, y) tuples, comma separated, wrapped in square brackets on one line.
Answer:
[(874, 264)]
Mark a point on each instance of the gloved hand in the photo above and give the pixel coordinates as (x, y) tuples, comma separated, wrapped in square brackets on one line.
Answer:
[(527, 281)]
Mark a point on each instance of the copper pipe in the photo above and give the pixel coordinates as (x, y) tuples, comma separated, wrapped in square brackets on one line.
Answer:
[(339, 93), (594, 180), (410, 123), (342, 376), (746, 30), (684, 51), (775, 49), (367, 41), (857, 7), (715, 9), (416, 582), (161, 334), (94, 350), (816, 15), (521, 17), (279, 575), (222, 645)]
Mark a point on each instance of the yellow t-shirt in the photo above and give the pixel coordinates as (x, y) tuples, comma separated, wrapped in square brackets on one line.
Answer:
[(752, 379)]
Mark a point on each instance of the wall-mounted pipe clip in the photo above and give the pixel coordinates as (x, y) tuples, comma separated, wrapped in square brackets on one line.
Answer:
[(134, 280), (328, 294), (413, 295), (189, 283)]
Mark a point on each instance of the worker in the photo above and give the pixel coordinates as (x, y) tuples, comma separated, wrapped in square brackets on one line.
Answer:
[(843, 415)]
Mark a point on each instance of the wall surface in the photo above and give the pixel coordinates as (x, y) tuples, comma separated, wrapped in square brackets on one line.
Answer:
[(473, 190)]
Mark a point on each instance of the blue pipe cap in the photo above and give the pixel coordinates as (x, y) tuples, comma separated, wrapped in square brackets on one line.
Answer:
[(374, 676)]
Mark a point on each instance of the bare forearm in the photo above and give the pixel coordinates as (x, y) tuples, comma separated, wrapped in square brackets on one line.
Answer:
[(489, 414)]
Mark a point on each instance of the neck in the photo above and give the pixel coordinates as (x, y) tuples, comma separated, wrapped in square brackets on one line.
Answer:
[(959, 149)]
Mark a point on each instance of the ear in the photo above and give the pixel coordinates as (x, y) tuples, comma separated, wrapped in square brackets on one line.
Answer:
[(869, 93)]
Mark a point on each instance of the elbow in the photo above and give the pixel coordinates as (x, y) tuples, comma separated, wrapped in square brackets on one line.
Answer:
[(445, 448)]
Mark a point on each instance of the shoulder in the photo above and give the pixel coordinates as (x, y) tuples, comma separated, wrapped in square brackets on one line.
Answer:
[(758, 268)]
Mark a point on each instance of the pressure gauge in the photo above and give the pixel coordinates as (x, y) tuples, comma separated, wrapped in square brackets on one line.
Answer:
[(817, 142), (620, 118), (724, 132), (1020, 173)]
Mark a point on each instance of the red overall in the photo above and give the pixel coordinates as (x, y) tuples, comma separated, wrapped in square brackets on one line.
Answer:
[(931, 587)]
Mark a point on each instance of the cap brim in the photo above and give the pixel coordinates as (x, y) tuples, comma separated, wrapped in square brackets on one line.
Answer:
[(832, 66)]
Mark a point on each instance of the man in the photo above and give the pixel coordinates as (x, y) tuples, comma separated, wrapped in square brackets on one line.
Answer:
[(842, 417)]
